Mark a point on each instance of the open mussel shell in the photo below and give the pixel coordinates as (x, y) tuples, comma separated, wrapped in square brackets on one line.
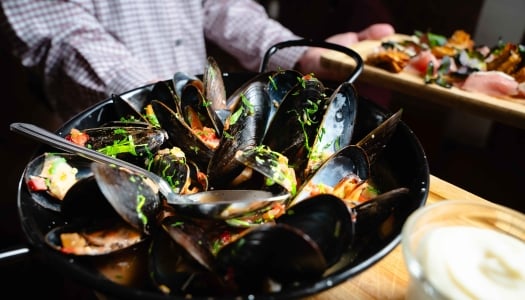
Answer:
[(94, 238), (85, 200), (243, 129), (377, 139), (299, 245), (48, 199), (181, 135), (131, 106), (130, 143), (170, 164), (279, 85), (125, 109), (192, 236), (273, 165), (197, 111), (181, 262), (271, 252), (375, 215), (336, 128), (233, 98), (134, 197), (348, 161), (214, 90), (198, 181), (182, 79), (327, 220), (164, 93), (294, 126)]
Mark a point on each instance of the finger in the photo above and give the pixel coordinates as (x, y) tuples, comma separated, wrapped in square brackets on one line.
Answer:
[(376, 32), (344, 39)]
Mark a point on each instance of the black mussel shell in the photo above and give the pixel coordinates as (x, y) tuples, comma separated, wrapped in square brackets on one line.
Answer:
[(294, 126), (376, 140), (131, 143), (85, 200), (170, 164), (174, 271), (164, 93), (192, 236), (197, 111), (181, 135), (34, 168), (272, 165), (271, 253), (134, 197), (182, 79), (126, 110), (93, 238), (233, 98), (374, 215), (244, 129), (198, 179), (336, 129), (279, 85), (327, 220), (214, 89), (348, 161)]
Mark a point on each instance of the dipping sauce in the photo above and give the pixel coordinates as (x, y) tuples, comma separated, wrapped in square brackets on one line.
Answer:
[(465, 262)]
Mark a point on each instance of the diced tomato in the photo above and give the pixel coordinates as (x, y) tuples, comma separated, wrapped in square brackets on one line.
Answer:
[(37, 184), (77, 137), (208, 136), (420, 62), (225, 237)]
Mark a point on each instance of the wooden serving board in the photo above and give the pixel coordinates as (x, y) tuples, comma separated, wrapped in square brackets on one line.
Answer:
[(507, 111)]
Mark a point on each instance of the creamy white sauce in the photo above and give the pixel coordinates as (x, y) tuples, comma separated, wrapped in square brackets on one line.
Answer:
[(472, 263)]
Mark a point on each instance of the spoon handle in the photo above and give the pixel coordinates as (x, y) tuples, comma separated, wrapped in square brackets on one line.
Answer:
[(56, 141)]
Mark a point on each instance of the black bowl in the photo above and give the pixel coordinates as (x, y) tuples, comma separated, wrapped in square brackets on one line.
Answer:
[(401, 164)]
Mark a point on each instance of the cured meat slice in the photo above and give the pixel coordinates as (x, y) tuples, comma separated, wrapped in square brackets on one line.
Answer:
[(493, 83)]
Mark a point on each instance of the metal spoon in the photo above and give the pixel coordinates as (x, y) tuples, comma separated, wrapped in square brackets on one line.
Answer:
[(218, 204)]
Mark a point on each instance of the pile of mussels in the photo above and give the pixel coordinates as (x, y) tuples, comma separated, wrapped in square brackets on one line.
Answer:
[(281, 132)]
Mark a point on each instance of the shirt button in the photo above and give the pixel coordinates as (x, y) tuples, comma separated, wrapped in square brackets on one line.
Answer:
[(178, 42)]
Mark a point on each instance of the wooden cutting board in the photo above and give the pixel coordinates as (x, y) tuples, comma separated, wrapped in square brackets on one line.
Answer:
[(507, 111)]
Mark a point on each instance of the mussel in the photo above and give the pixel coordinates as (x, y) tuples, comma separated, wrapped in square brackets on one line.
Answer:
[(49, 176), (94, 238), (134, 197), (244, 129), (133, 143), (181, 135), (292, 130)]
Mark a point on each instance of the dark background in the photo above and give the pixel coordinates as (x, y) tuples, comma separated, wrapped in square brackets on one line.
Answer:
[(493, 170)]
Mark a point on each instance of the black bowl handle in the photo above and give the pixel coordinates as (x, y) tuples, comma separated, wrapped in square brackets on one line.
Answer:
[(321, 44)]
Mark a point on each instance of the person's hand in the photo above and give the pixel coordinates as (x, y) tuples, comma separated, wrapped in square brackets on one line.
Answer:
[(310, 62)]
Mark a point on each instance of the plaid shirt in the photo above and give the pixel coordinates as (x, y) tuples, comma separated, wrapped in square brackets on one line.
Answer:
[(84, 50)]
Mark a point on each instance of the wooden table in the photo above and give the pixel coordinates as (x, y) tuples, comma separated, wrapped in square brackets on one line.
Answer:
[(388, 278), (510, 112)]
